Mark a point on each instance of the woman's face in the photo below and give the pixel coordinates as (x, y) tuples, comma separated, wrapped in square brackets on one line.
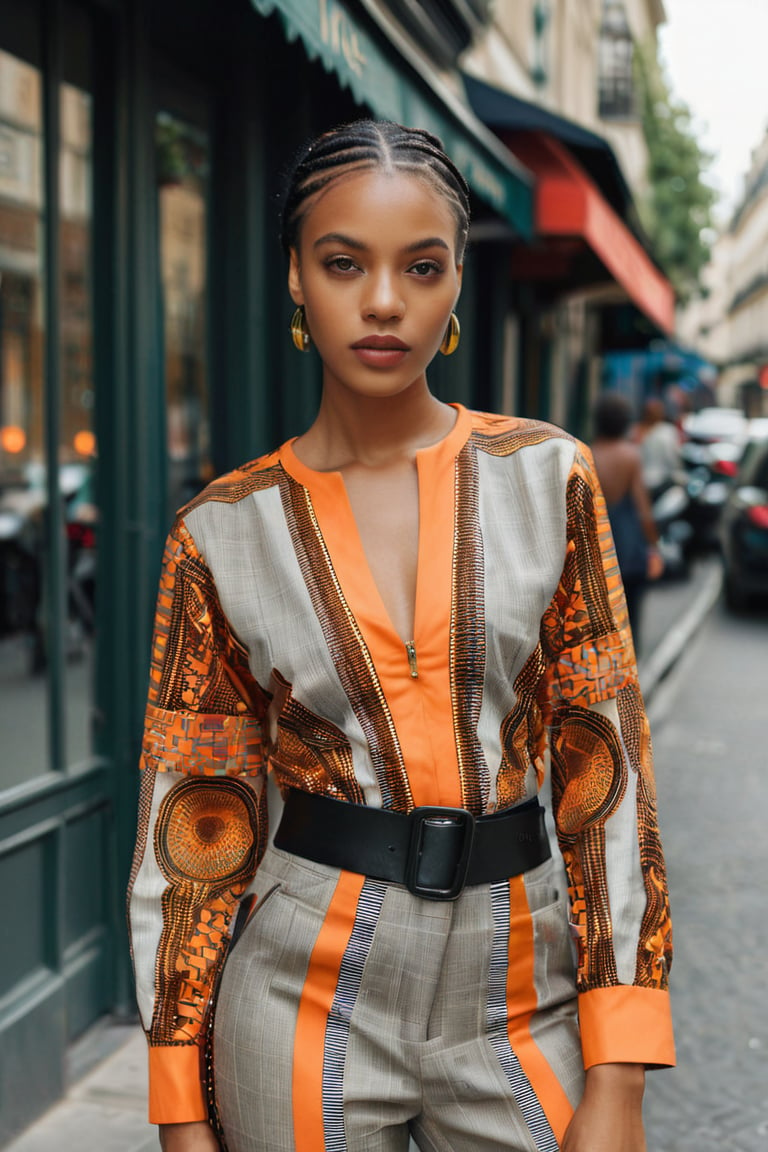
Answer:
[(376, 272)]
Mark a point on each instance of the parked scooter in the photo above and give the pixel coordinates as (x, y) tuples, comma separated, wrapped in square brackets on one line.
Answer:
[(19, 575), (710, 470), (22, 568), (671, 507)]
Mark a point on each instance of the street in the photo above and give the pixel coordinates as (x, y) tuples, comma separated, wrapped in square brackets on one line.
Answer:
[(710, 735)]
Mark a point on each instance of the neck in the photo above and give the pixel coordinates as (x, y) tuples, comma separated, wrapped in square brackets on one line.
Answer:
[(373, 431)]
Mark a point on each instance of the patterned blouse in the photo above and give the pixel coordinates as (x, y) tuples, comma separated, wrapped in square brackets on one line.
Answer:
[(273, 651)]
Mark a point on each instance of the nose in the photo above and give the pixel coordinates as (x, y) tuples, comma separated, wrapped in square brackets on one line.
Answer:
[(381, 298)]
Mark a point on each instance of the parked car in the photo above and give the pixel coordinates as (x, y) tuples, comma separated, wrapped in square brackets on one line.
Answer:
[(744, 523)]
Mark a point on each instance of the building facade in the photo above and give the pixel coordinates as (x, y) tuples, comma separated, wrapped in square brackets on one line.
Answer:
[(557, 82), (145, 346), (729, 323)]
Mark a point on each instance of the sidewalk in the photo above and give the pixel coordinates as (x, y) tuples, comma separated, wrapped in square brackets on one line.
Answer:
[(672, 612), (105, 1109)]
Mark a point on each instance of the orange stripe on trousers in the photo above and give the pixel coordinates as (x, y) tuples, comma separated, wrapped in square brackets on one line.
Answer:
[(314, 1007), (521, 1007)]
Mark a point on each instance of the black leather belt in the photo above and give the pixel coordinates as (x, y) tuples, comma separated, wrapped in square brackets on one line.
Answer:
[(434, 852)]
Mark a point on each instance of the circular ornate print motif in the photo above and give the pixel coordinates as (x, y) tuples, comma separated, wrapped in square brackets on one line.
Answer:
[(590, 763), (206, 831)]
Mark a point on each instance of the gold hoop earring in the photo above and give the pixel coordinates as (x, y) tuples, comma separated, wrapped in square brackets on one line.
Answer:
[(299, 333), (452, 335)]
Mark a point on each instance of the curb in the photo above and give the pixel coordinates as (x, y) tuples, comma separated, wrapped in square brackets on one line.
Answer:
[(660, 663)]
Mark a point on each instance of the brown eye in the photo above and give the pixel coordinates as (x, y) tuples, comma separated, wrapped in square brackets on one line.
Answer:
[(341, 264), (426, 268)]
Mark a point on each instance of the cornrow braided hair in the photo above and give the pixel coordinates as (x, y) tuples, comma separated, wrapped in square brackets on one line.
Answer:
[(379, 144)]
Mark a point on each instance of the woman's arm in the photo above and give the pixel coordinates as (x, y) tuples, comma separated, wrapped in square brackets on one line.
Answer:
[(201, 829), (193, 1137), (645, 511), (603, 796), (610, 1115)]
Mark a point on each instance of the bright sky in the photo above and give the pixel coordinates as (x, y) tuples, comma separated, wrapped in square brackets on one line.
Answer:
[(715, 56)]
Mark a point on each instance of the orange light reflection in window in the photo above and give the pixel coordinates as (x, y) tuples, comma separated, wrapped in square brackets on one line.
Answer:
[(12, 438), (84, 442)]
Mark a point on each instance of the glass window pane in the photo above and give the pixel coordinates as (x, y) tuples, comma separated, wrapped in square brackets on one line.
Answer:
[(77, 449), (182, 156), (23, 671)]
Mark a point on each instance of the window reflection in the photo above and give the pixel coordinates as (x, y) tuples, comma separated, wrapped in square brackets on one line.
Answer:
[(77, 449), (23, 695), (26, 672), (182, 157)]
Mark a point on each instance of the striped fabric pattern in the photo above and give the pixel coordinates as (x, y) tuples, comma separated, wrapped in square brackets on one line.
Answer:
[(337, 1031), (497, 1016)]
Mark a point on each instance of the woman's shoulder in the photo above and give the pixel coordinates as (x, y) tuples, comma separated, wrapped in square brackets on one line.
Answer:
[(504, 436), (231, 487), (619, 451)]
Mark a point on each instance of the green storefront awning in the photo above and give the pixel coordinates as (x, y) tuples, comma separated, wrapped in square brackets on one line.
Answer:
[(391, 86)]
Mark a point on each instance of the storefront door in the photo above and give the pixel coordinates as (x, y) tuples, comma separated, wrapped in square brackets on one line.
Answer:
[(54, 793)]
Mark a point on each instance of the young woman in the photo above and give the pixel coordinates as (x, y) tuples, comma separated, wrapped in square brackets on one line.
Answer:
[(396, 613), (619, 468)]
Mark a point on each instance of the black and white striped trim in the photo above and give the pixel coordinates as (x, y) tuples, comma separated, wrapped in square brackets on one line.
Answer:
[(496, 1018), (340, 1015)]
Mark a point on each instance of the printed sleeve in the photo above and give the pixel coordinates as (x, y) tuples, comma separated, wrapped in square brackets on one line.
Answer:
[(603, 795), (202, 823)]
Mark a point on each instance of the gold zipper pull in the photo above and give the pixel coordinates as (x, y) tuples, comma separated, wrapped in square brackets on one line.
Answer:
[(410, 648)]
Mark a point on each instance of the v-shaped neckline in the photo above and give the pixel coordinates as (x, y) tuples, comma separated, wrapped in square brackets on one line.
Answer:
[(339, 529)]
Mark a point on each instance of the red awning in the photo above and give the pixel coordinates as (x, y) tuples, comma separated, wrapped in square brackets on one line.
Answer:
[(571, 213)]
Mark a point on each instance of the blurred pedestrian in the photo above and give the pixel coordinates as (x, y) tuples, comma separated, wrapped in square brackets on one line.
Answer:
[(393, 613), (659, 442), (619, 467)]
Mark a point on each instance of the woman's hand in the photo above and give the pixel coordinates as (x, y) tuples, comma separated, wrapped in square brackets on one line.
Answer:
[(655, 567), (610, 1115), (197, 1136)]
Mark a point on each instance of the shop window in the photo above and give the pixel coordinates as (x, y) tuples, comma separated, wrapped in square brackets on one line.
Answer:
[(616, 97), (77, 442), (182, 166), (47, 442), (23, 518), (541, 28)]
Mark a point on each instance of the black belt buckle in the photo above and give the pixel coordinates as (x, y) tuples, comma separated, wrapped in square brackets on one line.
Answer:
[(438, 852)]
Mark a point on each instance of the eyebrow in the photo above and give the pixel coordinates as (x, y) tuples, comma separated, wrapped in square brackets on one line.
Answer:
[(350, 242)]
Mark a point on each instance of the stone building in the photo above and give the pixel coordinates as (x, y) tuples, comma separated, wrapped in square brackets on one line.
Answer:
[(728, 324), (557, 82)]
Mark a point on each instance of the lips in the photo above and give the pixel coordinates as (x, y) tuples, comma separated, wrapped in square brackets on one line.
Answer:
[(380, 351), (381, 344)]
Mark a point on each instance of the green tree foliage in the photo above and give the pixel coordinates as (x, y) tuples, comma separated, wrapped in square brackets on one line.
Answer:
[(678, 210)]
